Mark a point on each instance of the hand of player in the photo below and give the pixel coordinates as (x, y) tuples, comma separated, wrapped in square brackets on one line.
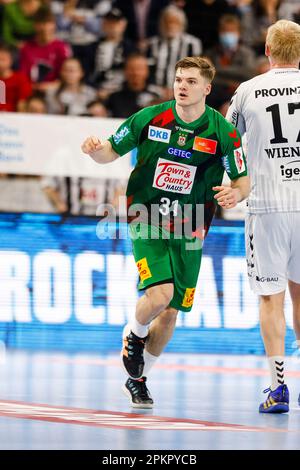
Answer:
[(91, 144), (226, 196)]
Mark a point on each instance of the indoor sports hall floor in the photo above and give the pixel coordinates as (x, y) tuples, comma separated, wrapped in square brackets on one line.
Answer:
[(58, 401)]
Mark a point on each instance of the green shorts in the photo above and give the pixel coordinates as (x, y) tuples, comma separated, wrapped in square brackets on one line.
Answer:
[(161, 260)]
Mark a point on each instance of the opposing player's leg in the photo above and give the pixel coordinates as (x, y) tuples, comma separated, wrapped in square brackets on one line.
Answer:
[(267, 271), (295, 296), (294, 289), (272, 324)]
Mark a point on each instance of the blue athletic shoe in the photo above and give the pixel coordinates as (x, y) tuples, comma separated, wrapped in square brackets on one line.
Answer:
[(277, 401)]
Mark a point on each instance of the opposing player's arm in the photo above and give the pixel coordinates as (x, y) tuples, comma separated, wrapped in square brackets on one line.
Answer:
[(235, 114), (234, 163), (100, 152)]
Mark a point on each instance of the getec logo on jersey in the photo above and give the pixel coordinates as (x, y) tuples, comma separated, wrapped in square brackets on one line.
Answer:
[(159, 134), (174, 177), (239, 161)]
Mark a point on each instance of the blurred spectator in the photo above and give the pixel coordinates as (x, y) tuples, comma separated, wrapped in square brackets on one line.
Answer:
[(262, 14), (23, 193), (17, 22), (234, 62), (136, 93), (17, 85), (81, 195), (142, 17), (290, 10), (171, 45), (262, 65), (203, 18), (97, 108), (79, 24), (41, 59), (70, 95), (111, 53), (36, 104)]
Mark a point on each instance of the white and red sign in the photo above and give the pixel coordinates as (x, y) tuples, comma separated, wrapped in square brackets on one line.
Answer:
[(239, 161), (174, 177), (113, 419)]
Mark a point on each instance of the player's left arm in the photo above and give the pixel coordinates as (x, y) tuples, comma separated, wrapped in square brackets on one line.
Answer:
[(229, 196)]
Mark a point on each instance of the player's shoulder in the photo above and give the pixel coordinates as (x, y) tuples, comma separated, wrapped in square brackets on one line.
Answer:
[(154, 110), (247, 86), (219, 120)]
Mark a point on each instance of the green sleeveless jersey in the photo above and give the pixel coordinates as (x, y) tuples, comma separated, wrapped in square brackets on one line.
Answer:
[(178, 163)]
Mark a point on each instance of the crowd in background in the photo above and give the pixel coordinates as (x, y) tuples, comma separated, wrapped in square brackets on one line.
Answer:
[(110, 58)]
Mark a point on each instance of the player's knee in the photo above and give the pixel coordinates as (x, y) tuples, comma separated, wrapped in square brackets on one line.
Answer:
[(168, 317), (160, 296)]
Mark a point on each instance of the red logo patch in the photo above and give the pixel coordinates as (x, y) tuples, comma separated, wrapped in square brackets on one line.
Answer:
[(205, 145)]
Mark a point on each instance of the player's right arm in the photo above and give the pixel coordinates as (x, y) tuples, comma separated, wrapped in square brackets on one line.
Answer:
[(235, 113), (100, 152), (124, 140)]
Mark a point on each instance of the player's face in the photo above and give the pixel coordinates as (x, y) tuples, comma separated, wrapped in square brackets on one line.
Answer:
[(190, 88)]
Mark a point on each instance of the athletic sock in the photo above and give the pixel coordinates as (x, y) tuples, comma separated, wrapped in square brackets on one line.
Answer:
[(276, 364), (150, 360), (138, 329)]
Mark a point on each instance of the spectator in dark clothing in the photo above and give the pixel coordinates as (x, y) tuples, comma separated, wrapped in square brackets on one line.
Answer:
[(142, 17), (17, 85), (136, 93), (234, 62), (203, 18), (41, 59), (111, 54)]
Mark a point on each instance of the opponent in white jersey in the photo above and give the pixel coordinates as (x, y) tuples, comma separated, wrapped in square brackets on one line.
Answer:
[(267, 108)]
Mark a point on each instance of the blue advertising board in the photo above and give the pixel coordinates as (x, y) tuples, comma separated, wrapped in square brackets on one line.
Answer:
[(63, 288)]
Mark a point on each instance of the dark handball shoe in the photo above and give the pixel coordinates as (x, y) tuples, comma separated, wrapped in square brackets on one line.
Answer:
[(277, 401), (138, 393), (133, 353)]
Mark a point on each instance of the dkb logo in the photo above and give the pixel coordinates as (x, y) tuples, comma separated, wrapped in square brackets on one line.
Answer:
[(2, 93)]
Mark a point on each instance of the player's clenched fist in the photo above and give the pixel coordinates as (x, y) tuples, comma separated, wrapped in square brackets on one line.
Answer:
[(91, 144)]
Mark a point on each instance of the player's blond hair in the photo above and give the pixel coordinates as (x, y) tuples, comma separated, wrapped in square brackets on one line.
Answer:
[(283, 39), (206, 68)]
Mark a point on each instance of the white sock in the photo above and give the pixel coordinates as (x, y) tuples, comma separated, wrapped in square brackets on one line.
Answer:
[(138, 329), (276, 364), (150, 360)]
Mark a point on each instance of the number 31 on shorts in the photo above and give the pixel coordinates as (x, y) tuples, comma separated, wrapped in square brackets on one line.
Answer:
[(166, 206)]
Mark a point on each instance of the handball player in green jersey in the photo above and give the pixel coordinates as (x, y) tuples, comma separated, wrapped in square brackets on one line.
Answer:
[(183, 147)]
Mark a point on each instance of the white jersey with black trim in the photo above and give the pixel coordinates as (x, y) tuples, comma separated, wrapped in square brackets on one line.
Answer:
[(267, 108)]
